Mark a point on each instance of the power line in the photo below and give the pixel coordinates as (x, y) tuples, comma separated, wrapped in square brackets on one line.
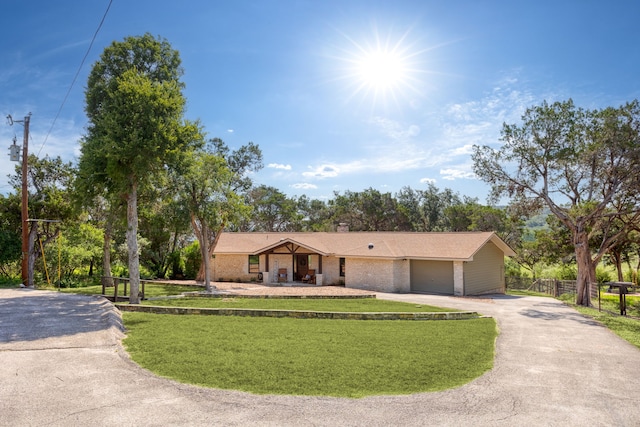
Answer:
[(104, 16)]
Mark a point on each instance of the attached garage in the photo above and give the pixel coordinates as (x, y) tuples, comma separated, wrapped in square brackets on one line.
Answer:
[(465, 263), (432, 277), (485, 273)]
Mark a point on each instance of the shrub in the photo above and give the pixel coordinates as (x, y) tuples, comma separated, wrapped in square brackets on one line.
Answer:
[(177, 265), (119, 270), (511, 268), (567, 272), (192, 259), (603, 275)]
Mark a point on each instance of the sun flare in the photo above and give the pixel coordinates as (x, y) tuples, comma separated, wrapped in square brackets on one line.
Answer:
[(382, 71)]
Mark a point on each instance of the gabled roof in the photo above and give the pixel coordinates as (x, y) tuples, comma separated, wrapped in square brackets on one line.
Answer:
[(460, 246)]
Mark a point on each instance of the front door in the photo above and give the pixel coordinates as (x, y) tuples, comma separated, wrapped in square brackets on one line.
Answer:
[(302, 266)]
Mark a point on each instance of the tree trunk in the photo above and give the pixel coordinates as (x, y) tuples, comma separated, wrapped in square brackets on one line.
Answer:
[(206, 263), (106, 255), (212, 246), (617, 258), (132, 244), (198, 232), (200, 275), (31, 261), (586, 270)]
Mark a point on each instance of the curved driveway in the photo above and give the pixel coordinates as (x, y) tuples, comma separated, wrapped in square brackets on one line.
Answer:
[(61, 364)]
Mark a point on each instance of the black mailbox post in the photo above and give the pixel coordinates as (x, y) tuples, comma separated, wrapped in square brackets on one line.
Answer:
[(623, 290)]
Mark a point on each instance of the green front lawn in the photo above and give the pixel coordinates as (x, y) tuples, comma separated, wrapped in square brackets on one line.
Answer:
[(305, 304), (347, 358)]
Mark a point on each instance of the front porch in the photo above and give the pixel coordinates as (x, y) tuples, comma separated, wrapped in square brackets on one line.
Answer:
[(291, 264)]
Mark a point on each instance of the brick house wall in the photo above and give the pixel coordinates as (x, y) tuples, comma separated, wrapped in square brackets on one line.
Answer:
[(378, 275), (232, 268)]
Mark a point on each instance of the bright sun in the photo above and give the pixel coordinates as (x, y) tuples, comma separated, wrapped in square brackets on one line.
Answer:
[(381, 70)]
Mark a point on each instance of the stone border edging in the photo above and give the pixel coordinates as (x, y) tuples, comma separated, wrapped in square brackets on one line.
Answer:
[(267, 296), (300, 314)]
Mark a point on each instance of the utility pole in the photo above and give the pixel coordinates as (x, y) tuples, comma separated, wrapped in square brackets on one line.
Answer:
[(25, 197)]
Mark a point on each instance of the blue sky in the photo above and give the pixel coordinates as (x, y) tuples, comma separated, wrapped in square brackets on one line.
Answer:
[(339, 94)]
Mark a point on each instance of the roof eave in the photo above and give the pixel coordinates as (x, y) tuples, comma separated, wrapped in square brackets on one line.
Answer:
[(285, 241)]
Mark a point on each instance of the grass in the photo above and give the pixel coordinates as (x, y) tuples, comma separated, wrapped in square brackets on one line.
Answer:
[(9, 284), (305, 304), (527, 293), (609, 303), (626, 328), (346, 358), (612, 303), (151, 290)]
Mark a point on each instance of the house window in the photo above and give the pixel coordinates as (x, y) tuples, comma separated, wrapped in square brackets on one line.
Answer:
[(342, 267), (254, 263)]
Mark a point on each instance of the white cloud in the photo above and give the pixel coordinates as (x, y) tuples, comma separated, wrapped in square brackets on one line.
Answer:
[(279, 166), (230, 131), (465, 150), (391, 159), (441, 140), (394, 129), (322, 171), (451, 174), (304, 186), (480, 121), (384, 162)]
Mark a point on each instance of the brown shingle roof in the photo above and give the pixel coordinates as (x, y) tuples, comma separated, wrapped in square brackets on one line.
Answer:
[(436, 246)]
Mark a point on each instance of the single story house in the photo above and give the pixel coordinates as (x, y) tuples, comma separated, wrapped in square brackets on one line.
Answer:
[(461, 263)]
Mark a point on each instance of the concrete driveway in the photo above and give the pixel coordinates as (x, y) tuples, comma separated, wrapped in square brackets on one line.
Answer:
[(61, 364)]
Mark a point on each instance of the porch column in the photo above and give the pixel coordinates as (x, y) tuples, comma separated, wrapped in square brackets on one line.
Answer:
[(319, 276), (265, 272), (458, 278)]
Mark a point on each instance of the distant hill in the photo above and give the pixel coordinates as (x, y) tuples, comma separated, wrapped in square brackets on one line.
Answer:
[(539, 221)]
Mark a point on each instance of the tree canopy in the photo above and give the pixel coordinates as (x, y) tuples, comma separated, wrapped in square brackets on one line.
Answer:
[(581, 164), (211, 187), (136, 129)]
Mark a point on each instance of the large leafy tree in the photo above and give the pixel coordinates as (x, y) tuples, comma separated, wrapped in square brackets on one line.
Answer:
[(211, 186), (164, 223), (272, 211), (79, 249), (426, 210), (314, 214), (581, 164), (135, 107), (368, 210)]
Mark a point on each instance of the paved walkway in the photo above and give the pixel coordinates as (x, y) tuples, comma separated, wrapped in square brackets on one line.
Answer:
[(61, 364)]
